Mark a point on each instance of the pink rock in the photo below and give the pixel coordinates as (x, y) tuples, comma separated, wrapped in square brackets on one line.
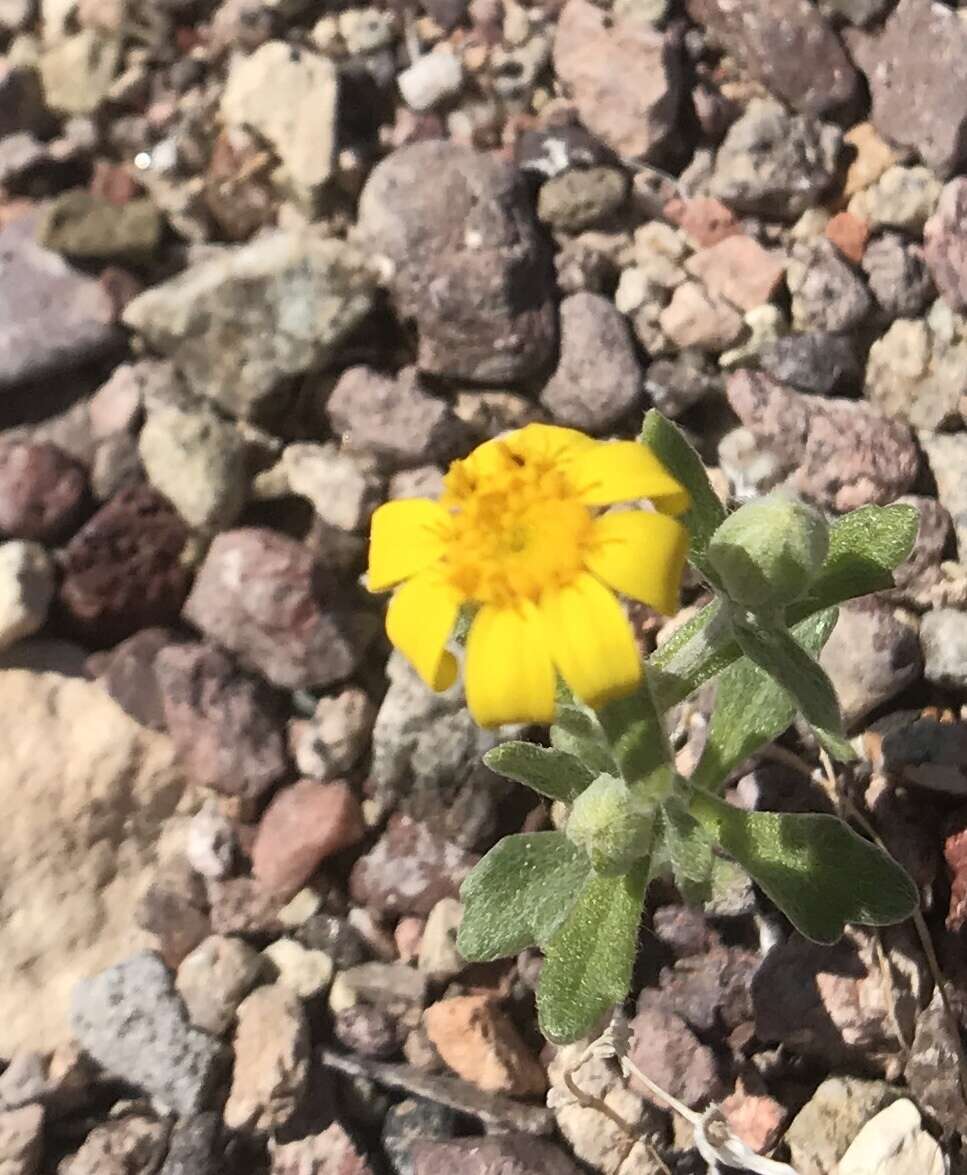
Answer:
[(332, 1152), (955, 855), (304, 824), (704, 220), (665, 1049), (739, 270), (43, 492), (481, 1045), (408, 935), (945, 244), (849, 234), (696, 318), (756, 1118)]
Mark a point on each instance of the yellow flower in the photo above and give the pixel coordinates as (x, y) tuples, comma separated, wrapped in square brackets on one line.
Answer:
[(519, 532)]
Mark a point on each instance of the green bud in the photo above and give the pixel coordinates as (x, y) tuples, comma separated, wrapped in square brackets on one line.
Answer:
[(768, 552), (612, 825)]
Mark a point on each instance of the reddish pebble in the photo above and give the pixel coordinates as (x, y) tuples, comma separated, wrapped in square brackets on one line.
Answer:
[(304, 824), (756, 1118), (43, 492), (849, 234), (955, 854), (739, 270), (113, 182), (704, 220)]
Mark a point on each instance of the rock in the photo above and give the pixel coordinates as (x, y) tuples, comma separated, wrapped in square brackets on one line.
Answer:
[(947, 457), (239, 905), (917, 372), (332, 1152), (408, 870), (307, 973), (343, 488), (511, 1154), (408, 1125), (893, 1143), (581, 198), (945, 244), (368, 1030), (26, 589), (943, 635), (916, 73), (738, 269), (481, 1045), (898, 277), (871, 156), (271, 1060), (193, 1146), (921, 751), (468, 262), (15, 14), (870, 657), (303, 825), (174, 909), (331, 742), (211, 843), (598, 379), (703, 220), (932, 1069), (43, 492), (439, 957), (214, 979), (772, 163), (857, 12), (901, 198), (830, 1001), (839, 453), (88, 792), (131, 1022), (827, 294), (626, 79), (132, 1143), (89, 229), (677, 384), (933, 539), (395, 419), (127, 672), (849, 233), (226, 725), (198, 461), (34, 343), (123, 570), (817, 362), (431, 80), (757, 1118), (695, 318), (78, 71), (336, 937), (262, 596), (394, 987), (243, 323), (21, 1140), (710, 989), (788, 47), (288, 96), (667, 1051), (821, 1132)]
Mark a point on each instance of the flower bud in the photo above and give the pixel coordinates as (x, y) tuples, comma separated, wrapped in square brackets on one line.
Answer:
[(769, 551), (612, 825)]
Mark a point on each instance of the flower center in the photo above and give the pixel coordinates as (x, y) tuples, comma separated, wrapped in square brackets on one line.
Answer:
[(518, 529)]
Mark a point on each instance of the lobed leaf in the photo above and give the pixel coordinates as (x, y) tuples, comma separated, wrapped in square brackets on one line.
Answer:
[(553, 773)]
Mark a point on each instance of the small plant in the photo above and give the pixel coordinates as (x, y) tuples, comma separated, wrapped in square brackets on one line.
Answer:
[(519, 556)]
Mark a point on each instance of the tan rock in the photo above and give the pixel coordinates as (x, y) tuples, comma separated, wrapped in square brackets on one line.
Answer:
[(696, 318), (21, 1140), (86, 793), (271, 1060), (873, 156), (482, 1046)]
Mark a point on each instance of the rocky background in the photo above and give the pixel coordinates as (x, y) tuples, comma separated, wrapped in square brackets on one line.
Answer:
[(267, 263)]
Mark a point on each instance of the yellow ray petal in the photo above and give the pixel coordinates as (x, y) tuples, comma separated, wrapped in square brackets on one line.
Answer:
[(405, 537), (622, 471), (549, 441), (640, 554), (419, 620), (591, 640), (509, 674)]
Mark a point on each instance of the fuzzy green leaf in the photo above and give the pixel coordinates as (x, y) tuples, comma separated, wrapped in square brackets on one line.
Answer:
[(673, 450), (519, 894), (553, 773), (577, 732), (588, 963), (775, 650), (816, 869), (687, 845), (751, 708)]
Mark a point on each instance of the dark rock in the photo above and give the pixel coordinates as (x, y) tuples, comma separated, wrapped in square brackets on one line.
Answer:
[(410, 1123), (174, 908), (88, 228), (239, 905), (827, 294), (509, 1154), (193, 1147), (945, 244), (679, 383), (920, 750), (368, 1030), (333, 1151), (916, 67), (128, 674), (470, 265), (787, 46), (123, 570), (814, 362), (43, 492), (711, 989), (933, 1068), (683, 930), (227, 726), (552, 151), (933, 538), (897, 274), (666, 1050), (447, 13), (581, 198), (262, 596), (341, 941), (21, 101)]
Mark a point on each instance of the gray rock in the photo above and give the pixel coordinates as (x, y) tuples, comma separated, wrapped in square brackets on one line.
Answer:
[(431, 80), (945, 244), (26, 590), (897, 275), (901, 198), (932, 1069), (787, 46), (192, 1147), (330, 743), (856, 12), (215, 978), (131, 1142), (408, 1126), (870, 657), (827, 294), (933, 537), (511, 1154), (772, 163), (947, 458), (823, 1129), (343, 488), (681, 382), (131, 1022), (916, 67), (243, 323), (37, 341), (581, 198), (598, 377), (817, 362), (920, 373), (943, 635), (468, 262)]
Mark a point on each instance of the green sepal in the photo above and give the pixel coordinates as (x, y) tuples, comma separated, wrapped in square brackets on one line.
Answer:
[(552, 773), (519, 895)]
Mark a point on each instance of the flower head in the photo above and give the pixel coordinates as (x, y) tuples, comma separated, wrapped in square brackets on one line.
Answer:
[(519, 532)]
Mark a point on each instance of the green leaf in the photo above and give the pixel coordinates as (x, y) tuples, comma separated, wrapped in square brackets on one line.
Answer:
[(774, 649), (553, 773), (865, 546), (751, 708), (636, 734), (673, 450), (588, 963), (688, 846), (577, 732), (519, 894), (692, 655), (815, 868)]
